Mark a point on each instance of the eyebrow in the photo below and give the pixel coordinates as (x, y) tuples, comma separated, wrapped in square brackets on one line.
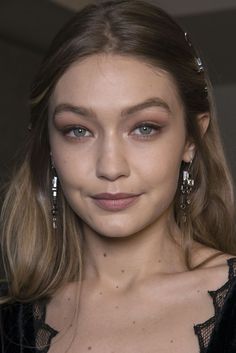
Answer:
[(89, 113)]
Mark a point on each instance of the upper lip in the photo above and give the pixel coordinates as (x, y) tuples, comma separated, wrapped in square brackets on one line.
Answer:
[(116, 196)]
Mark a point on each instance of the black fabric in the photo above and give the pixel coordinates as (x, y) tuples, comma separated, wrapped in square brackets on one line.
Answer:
[(23, 328), (205, 330), (223, 339), (17, 328)]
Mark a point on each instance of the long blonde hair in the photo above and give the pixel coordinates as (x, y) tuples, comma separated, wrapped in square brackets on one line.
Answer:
[(38, 260)]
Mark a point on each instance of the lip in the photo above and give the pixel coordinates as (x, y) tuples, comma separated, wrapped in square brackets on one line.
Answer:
[(115, 202), (110, 196)]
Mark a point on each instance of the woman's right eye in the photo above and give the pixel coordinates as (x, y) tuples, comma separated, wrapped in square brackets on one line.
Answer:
[(77, 132)]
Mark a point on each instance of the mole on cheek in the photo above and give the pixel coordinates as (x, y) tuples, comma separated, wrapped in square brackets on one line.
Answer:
[(89, 348)]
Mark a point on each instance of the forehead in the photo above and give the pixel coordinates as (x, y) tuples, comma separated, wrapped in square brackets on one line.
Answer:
[(106, 81)]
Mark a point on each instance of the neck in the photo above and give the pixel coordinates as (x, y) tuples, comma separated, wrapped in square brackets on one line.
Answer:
[(129, 260)]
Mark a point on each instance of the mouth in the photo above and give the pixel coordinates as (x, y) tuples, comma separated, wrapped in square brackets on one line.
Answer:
[(115, 202)]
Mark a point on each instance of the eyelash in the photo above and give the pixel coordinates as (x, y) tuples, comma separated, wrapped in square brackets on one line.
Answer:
[(154, 127), (68, 130)]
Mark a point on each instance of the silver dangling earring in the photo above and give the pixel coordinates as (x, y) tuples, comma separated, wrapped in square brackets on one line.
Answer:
[(54, 201), (54, 190), (54, 193), (186, 189)]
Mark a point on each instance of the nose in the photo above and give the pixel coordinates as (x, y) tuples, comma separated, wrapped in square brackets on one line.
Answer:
[(112, 162)]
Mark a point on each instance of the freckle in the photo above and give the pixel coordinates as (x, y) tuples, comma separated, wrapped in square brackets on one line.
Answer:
[(89, 348), (159, 261), (133, 322), (171, 341), (104, 254), (117, 307), (100, 293), (117, 286), (68, 299), (122, 271), (198, 290)]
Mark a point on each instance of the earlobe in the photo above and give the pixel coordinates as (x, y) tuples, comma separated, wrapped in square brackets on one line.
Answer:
[(189, 152)]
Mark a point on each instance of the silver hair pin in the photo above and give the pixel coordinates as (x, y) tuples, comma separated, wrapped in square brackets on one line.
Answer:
[(199, 65), (197, 58), (187, 39)]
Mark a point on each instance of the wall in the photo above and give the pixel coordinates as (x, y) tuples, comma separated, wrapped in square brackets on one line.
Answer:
[(226, 106), (17, 67)]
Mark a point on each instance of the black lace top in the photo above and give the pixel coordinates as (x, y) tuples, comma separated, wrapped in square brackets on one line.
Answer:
[(205, 330), (23, 328)]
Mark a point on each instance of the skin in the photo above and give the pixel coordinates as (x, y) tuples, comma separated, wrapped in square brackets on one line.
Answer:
[(128, 251), (117, 157)]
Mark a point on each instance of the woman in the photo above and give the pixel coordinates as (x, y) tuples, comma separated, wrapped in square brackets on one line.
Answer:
[(120, 221)]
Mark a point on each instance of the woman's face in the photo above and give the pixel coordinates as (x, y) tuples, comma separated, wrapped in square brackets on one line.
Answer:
[(117, 126)]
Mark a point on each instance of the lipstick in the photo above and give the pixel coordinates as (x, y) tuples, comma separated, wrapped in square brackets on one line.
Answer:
[(115, 202)]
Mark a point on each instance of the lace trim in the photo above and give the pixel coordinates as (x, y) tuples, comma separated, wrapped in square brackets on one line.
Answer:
[(43, 332), (205, 330)]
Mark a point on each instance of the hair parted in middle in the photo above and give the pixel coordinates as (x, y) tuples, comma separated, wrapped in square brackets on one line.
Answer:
[(44, 261)]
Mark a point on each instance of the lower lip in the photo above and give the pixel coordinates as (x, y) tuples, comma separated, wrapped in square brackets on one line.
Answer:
[(116, 205)]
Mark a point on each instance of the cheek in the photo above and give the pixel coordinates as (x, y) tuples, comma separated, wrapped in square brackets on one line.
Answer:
[(72, 169), (162, 163), (70, 173), (162, 176)]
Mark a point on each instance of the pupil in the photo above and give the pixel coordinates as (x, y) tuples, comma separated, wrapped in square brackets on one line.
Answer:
[(146, 129), (80, 131)]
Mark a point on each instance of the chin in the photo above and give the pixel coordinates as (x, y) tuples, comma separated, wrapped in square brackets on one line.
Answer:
[(115, 229)]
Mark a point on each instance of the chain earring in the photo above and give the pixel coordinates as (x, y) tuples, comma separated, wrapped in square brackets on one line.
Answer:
[(54, 201), (54, 191), (186, 189)]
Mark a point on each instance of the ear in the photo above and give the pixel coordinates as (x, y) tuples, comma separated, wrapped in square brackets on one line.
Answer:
[(203, 122), (190, 148), (189, 151)]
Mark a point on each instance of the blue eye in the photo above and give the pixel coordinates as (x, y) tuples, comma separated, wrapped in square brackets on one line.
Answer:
[(77, 132), (147, 130)]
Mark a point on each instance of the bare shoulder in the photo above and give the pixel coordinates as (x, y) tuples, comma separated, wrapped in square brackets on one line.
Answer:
[(214, 266), (206, 257)]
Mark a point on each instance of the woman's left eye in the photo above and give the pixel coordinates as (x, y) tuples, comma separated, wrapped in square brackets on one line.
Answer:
[(146, 130)]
